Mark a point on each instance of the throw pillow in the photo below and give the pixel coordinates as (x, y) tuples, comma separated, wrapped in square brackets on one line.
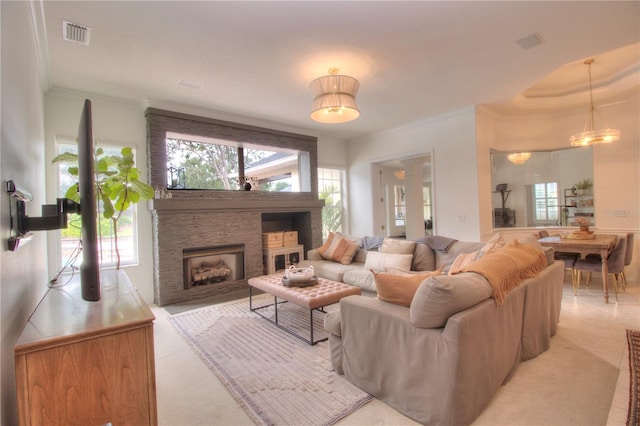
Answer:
[(393, 245), (378, 262), (463, 260), (399, 289), (494, 242), (391, 270), (338, 249), (423, 258)]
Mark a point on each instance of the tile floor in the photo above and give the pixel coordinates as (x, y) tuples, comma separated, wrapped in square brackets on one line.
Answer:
[(189, 394)]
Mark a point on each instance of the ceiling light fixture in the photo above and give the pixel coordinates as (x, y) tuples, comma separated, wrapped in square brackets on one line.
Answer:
[(589, 136), (335, 98), (399, 174), (519, 157)]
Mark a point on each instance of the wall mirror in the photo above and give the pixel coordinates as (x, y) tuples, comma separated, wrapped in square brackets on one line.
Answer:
[(406, 196), (542, 188)]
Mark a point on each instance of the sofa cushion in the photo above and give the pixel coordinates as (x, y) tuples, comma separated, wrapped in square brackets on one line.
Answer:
[(338, 248), (399, 288), (424, 258), (360, 256), (329, 269), (362, 278), (439, 297), (378, 262), (394, 245)]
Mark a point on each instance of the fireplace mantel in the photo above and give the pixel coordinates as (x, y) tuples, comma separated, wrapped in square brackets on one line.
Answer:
[(183, 205)]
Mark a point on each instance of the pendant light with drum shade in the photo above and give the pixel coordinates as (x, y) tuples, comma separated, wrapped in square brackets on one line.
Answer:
[(590, 136), (334, 98)]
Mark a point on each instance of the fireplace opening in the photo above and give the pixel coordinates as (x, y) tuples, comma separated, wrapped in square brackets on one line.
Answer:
[(211, 265)]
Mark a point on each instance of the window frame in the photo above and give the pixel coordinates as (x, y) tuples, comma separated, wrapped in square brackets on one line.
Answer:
[(134, 259), (343, 195), (547, 201)]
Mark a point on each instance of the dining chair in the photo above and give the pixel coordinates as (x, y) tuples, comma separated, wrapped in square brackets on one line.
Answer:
[(568, 258), (627, 258), (615, 263)]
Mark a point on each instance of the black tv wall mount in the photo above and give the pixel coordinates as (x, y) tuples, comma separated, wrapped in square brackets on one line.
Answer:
[(54, 216)]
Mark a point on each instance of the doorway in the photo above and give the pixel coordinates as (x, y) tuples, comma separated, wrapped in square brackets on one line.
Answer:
[(404, 203)]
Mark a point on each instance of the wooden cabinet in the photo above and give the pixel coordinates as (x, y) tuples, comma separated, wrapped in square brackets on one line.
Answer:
[(88, 363)]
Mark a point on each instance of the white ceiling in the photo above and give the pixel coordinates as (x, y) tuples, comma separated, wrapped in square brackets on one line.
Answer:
[(413, 59)]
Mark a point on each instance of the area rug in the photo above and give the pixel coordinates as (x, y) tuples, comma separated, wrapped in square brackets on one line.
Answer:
[(277, 378), (633, 415)]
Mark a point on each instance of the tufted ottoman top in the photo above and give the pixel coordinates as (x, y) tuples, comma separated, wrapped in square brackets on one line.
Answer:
[(326, 292)]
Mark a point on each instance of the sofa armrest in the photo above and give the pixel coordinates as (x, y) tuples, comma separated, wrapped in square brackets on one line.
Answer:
[(313, 254)]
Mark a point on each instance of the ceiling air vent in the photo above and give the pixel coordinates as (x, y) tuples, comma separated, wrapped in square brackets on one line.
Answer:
[(76, 32)]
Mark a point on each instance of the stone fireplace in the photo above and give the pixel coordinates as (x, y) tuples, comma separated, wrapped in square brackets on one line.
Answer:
[(208, 220), (181, 224)]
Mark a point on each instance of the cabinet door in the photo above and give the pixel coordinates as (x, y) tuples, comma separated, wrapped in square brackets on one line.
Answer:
[(92, 382)]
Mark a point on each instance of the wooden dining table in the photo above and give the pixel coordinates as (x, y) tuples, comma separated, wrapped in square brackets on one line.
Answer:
[(602, 244)]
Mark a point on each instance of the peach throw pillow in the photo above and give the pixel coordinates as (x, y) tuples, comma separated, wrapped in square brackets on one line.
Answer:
[(399, 289)]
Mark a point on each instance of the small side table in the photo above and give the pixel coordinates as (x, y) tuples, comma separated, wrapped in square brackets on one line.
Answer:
[(277, 259)]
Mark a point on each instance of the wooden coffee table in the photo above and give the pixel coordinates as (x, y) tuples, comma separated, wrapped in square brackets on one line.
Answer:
[(313, 298)]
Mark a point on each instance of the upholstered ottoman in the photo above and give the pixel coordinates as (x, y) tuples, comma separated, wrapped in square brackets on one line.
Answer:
[(314, 298)]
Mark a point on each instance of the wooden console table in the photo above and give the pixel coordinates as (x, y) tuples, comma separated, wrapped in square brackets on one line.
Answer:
[(80, 362)]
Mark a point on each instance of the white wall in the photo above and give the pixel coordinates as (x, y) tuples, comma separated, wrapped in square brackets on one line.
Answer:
[(23, 273), (452, 140)]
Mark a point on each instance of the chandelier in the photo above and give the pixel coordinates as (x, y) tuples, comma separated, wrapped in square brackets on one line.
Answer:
[(335, 98), (519, 157), (589, 136)]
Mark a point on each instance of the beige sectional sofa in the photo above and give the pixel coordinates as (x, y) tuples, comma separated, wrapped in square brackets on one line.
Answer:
[(425, 258), (441, 360)]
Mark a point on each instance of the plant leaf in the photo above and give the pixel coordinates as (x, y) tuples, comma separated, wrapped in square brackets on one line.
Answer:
[(65, 157), (146, 191)]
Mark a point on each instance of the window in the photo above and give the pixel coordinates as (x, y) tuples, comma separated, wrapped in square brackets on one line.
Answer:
[(546, 201), (330, 184), (206, 163), (399, 206), (70, 237)]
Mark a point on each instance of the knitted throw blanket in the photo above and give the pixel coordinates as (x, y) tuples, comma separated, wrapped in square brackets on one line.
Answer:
[(505, 268)]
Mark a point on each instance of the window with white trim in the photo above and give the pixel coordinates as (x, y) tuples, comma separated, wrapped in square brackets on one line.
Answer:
[(546, 201), (127, 224), (330, 189)]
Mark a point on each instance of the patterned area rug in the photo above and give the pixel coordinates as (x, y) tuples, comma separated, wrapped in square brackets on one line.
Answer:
[(633, 415), (277, 378)]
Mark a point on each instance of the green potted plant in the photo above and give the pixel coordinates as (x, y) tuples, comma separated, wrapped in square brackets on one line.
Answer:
[(583, 186), (117, 184)]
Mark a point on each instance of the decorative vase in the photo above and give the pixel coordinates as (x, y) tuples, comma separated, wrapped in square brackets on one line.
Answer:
[(247, 186), (584, 228)]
